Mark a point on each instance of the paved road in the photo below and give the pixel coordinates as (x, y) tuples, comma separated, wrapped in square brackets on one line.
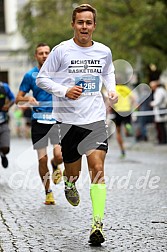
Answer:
[(136, 207)]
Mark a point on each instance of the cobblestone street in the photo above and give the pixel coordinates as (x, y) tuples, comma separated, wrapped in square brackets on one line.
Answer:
[(136, 207)]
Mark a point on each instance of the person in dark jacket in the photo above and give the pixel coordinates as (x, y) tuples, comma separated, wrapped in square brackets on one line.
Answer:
[(7, 99)]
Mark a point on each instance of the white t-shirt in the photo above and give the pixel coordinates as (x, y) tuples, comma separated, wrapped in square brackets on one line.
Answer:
[(69, 64), (159, 104)]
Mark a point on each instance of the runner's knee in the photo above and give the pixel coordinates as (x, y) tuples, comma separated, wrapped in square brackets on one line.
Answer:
[(5, 150)]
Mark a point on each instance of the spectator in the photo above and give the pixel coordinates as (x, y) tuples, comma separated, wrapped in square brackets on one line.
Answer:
[(27, 114), (144, 101), (18, 117), (159, 105)]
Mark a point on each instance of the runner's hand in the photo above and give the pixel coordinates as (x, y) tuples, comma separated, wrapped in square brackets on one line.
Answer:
[(33, 101), (74, 92), (113, 97)]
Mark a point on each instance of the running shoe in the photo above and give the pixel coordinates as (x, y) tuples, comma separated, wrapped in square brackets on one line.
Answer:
[(123, 155), (71, 193), (4, 161), (57, 174), (96, 234), (49, 198)]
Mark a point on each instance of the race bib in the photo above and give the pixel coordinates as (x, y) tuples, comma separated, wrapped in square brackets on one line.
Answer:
[(2, 117), (45, 118), (90, 84)]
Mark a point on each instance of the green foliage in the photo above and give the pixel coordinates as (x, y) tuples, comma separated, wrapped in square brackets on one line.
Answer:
[(129, 27), (45, 21)]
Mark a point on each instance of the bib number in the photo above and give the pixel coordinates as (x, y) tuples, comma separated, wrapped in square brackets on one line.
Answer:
[(90, 84), (45, 118)]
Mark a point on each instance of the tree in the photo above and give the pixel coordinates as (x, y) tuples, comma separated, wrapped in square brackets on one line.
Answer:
[(47, 21), (135, 30), (132, 29)]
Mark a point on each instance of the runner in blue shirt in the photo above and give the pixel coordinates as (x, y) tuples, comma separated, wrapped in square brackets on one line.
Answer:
[(43, 127)]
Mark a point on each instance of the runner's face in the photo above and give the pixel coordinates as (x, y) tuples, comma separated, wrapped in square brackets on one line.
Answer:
[(41, 55), (84, 27)]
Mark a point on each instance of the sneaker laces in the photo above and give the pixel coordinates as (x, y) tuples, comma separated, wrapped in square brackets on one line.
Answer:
[(71, 188), (69, 185), (97, 222)]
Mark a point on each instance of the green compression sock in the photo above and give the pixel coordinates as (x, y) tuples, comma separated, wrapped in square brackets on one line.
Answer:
[(98, 197)]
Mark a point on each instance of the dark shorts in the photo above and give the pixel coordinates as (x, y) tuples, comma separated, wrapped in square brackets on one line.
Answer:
[(4, 135), (41, 133), (77, 140), (122, 119)]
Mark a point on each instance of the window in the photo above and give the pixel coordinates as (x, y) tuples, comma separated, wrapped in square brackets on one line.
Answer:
[(2, 17), (4, 76)]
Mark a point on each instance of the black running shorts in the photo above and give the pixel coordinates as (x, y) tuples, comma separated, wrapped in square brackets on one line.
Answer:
[(41, 133), (121, 118), (77, 140)]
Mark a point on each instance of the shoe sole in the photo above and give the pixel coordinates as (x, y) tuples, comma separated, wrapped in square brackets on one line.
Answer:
[(53, 176), (76, 204), (57, 181), (71, 202), (96, 238), (49, 203)]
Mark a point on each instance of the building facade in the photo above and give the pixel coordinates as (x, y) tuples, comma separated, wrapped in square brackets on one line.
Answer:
[(14, 61)]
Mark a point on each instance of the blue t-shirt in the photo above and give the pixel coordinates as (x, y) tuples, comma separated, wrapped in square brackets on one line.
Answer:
[(9, 94), (5, 92), (29, 84)]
